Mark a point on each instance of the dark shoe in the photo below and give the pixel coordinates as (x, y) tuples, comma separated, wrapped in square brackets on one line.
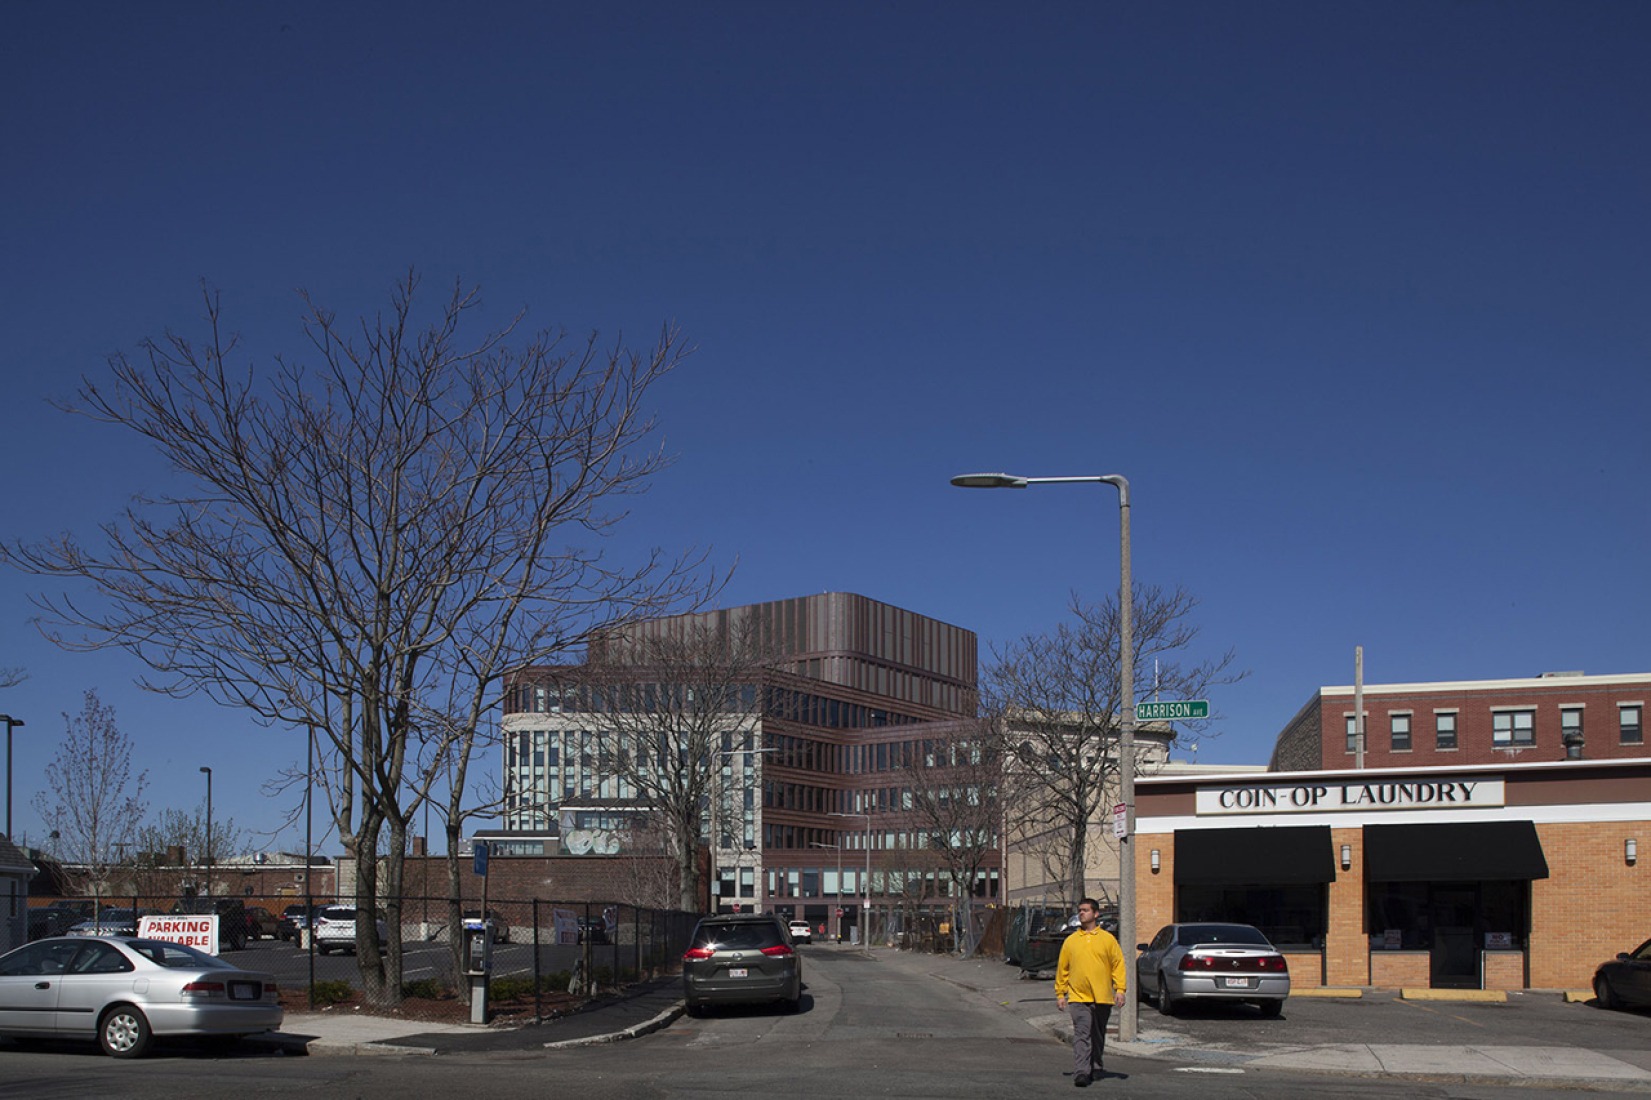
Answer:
[(1081, 1080)]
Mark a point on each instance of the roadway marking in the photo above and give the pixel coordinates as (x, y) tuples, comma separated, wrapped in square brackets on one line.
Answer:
[(1206, 1069)]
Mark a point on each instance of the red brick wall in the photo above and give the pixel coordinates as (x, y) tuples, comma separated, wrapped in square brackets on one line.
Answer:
[(1600, 728)]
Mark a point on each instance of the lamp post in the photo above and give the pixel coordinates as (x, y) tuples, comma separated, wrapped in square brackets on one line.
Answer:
[(865, 885), (208, 772), (838, 916), (1126, 735), (10, 722)]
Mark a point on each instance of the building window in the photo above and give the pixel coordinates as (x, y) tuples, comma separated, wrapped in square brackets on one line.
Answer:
[(1513, 727), (1444, 730), (1630, 731), (1352, 734), (1400, 725), (1570, 722)]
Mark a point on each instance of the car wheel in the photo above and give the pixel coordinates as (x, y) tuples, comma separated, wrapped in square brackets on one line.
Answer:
[(1603, 994), (124, 1032), (1166, 1003), (1271, 1009)]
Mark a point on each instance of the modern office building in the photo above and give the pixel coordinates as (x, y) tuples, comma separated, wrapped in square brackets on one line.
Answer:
[(812, 770)]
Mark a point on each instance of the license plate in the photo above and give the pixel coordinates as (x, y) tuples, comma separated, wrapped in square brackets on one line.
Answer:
[(738, 972), (243, 991), (1238, 983)]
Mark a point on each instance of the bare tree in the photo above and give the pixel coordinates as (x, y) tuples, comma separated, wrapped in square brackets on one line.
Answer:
[(185, 830), (364, 544), (673, 706), (642, 876), (93, 802), (1059, 698), (954, 785), (11, 677)]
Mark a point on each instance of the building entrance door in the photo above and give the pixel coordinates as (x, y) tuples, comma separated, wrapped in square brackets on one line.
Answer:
[(1455, 961)]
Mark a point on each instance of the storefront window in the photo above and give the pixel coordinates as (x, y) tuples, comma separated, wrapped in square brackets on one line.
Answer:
[(1404, 916), (1290, 916)]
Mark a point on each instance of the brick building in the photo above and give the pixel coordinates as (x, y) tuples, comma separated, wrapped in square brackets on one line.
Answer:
[(1470, 722), (1495, 875)]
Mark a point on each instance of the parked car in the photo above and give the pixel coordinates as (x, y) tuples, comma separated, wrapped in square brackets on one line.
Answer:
[(501, 927), (335, 929), (47, 921), (124, 992), (114, 921), (593, 930), (801, 932), (1223, 962), (741, 958), (260, 923), (1625, 981), (294, 919), (233, 929)]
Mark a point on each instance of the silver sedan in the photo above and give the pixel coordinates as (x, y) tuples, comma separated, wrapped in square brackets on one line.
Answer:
[(1225, 962), (124, 992)]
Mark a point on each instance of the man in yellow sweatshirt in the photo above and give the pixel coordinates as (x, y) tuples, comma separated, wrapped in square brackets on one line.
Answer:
[(1089, 979)]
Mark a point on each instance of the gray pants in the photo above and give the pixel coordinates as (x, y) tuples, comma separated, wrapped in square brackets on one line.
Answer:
[(1088, 1036)]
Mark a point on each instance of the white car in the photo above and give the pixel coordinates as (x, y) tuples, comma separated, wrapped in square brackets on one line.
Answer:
[(124, 992), (801, 932), (335, 929)]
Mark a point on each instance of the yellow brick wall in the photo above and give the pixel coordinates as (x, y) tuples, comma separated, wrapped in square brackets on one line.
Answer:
[(1503, 970), (1346, 947), (1591, 905), (1154, 893), (1401, 969)]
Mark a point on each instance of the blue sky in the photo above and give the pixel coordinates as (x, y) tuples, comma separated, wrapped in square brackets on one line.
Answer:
[(1354, 294)]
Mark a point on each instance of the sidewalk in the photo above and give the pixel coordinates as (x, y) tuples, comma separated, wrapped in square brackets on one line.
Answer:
[(658, 1003), (1507, 1064)]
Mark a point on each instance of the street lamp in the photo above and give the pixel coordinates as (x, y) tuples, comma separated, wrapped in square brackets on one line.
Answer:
[(1126, 737), (865, 885), (208, 772), (10, 722), (839, 914)]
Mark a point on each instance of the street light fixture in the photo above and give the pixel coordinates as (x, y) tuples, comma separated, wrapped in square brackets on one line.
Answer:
[(208, 772), (865, 885), (10, 722), (1126, 737)]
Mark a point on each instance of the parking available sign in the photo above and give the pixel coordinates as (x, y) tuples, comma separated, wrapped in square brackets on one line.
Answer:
[(199, 932)]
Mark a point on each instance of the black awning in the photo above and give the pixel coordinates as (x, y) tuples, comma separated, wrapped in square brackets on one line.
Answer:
[(1254, 857), (1468, 851)]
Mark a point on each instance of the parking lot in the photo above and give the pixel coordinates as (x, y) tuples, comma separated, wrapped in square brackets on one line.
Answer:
[(290, 963)]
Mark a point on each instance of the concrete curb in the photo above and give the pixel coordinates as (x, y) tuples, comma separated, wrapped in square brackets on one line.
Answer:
[(631, 1032), (1483, 996), (1327, 991)]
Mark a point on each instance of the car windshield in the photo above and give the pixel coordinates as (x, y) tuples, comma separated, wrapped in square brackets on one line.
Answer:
[(738, 937), (176, 955), (1190, 934)]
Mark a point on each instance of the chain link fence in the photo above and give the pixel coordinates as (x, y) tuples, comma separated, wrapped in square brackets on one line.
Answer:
[(548, 957)]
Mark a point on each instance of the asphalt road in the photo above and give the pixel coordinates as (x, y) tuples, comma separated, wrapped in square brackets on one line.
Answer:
[(866, 1029)]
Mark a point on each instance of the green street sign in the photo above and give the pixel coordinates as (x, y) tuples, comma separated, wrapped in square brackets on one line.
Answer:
[(1166, 711)]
